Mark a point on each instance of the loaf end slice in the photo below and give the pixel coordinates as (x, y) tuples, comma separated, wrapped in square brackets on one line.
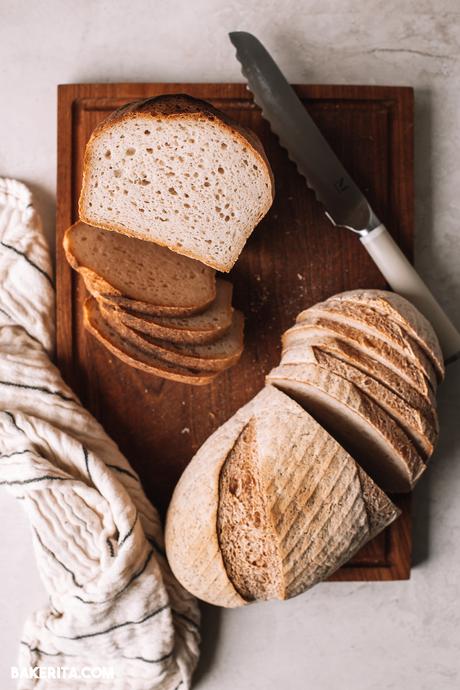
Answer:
[(198, 510), (178, 172)]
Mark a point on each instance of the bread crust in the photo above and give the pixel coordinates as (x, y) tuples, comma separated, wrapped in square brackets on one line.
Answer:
[(173, 106), (191, 540)]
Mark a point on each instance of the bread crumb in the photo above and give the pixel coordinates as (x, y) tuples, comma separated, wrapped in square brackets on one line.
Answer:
[(185, 430)]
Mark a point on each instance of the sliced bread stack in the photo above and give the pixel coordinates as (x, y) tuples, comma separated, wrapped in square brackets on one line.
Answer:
[(168, 182), (366, 365), (156, 310)]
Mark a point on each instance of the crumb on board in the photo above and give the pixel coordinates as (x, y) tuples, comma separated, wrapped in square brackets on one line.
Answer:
[(185, 430)]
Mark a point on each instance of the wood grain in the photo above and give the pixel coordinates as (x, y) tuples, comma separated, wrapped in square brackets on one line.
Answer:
[(293, 259)]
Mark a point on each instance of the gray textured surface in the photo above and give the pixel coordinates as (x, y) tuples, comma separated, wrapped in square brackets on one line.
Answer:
[(362, 636)]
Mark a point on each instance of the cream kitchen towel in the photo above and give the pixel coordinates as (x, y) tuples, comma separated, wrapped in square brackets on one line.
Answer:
[(113, 602)]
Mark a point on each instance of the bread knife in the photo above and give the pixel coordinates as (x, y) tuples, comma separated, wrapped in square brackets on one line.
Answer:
[(344, 203)]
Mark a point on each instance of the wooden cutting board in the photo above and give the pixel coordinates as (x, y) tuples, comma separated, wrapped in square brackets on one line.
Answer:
[(293, 259)]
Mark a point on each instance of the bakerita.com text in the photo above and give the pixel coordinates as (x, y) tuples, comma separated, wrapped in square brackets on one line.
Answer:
[(63, 672)]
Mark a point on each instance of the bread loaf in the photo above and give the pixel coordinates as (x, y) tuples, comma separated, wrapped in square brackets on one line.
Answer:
[(269, 506), (176, 171)]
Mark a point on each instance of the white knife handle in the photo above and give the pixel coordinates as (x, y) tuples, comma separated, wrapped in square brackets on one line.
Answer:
[(404, 279)]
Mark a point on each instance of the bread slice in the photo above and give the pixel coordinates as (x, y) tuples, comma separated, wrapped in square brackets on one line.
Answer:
[(207, 327), (176, 171), (418, 425), (374, 325), (369, 345), (215, 356), (400, 310), (277, 506), (345, 352), (138, 274), (377, 442), (134, 356)]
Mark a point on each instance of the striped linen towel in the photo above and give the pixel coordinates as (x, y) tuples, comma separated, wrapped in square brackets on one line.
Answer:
[(113, 601)]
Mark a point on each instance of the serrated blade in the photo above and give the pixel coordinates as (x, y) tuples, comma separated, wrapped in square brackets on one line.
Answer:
[(343, 201)]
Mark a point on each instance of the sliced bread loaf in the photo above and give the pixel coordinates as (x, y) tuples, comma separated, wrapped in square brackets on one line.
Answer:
[(206, 327), (369, 345), (176, 171), (415, 422), (277, 506), (377, 442), (142, 275), (400, 310), (375, 325), (345, 352), (221, 354), (134, 356)]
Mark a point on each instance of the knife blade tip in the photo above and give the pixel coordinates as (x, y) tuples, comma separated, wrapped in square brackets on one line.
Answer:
[(235, 36)]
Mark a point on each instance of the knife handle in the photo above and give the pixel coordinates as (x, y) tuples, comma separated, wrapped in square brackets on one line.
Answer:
[(404, 279)]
